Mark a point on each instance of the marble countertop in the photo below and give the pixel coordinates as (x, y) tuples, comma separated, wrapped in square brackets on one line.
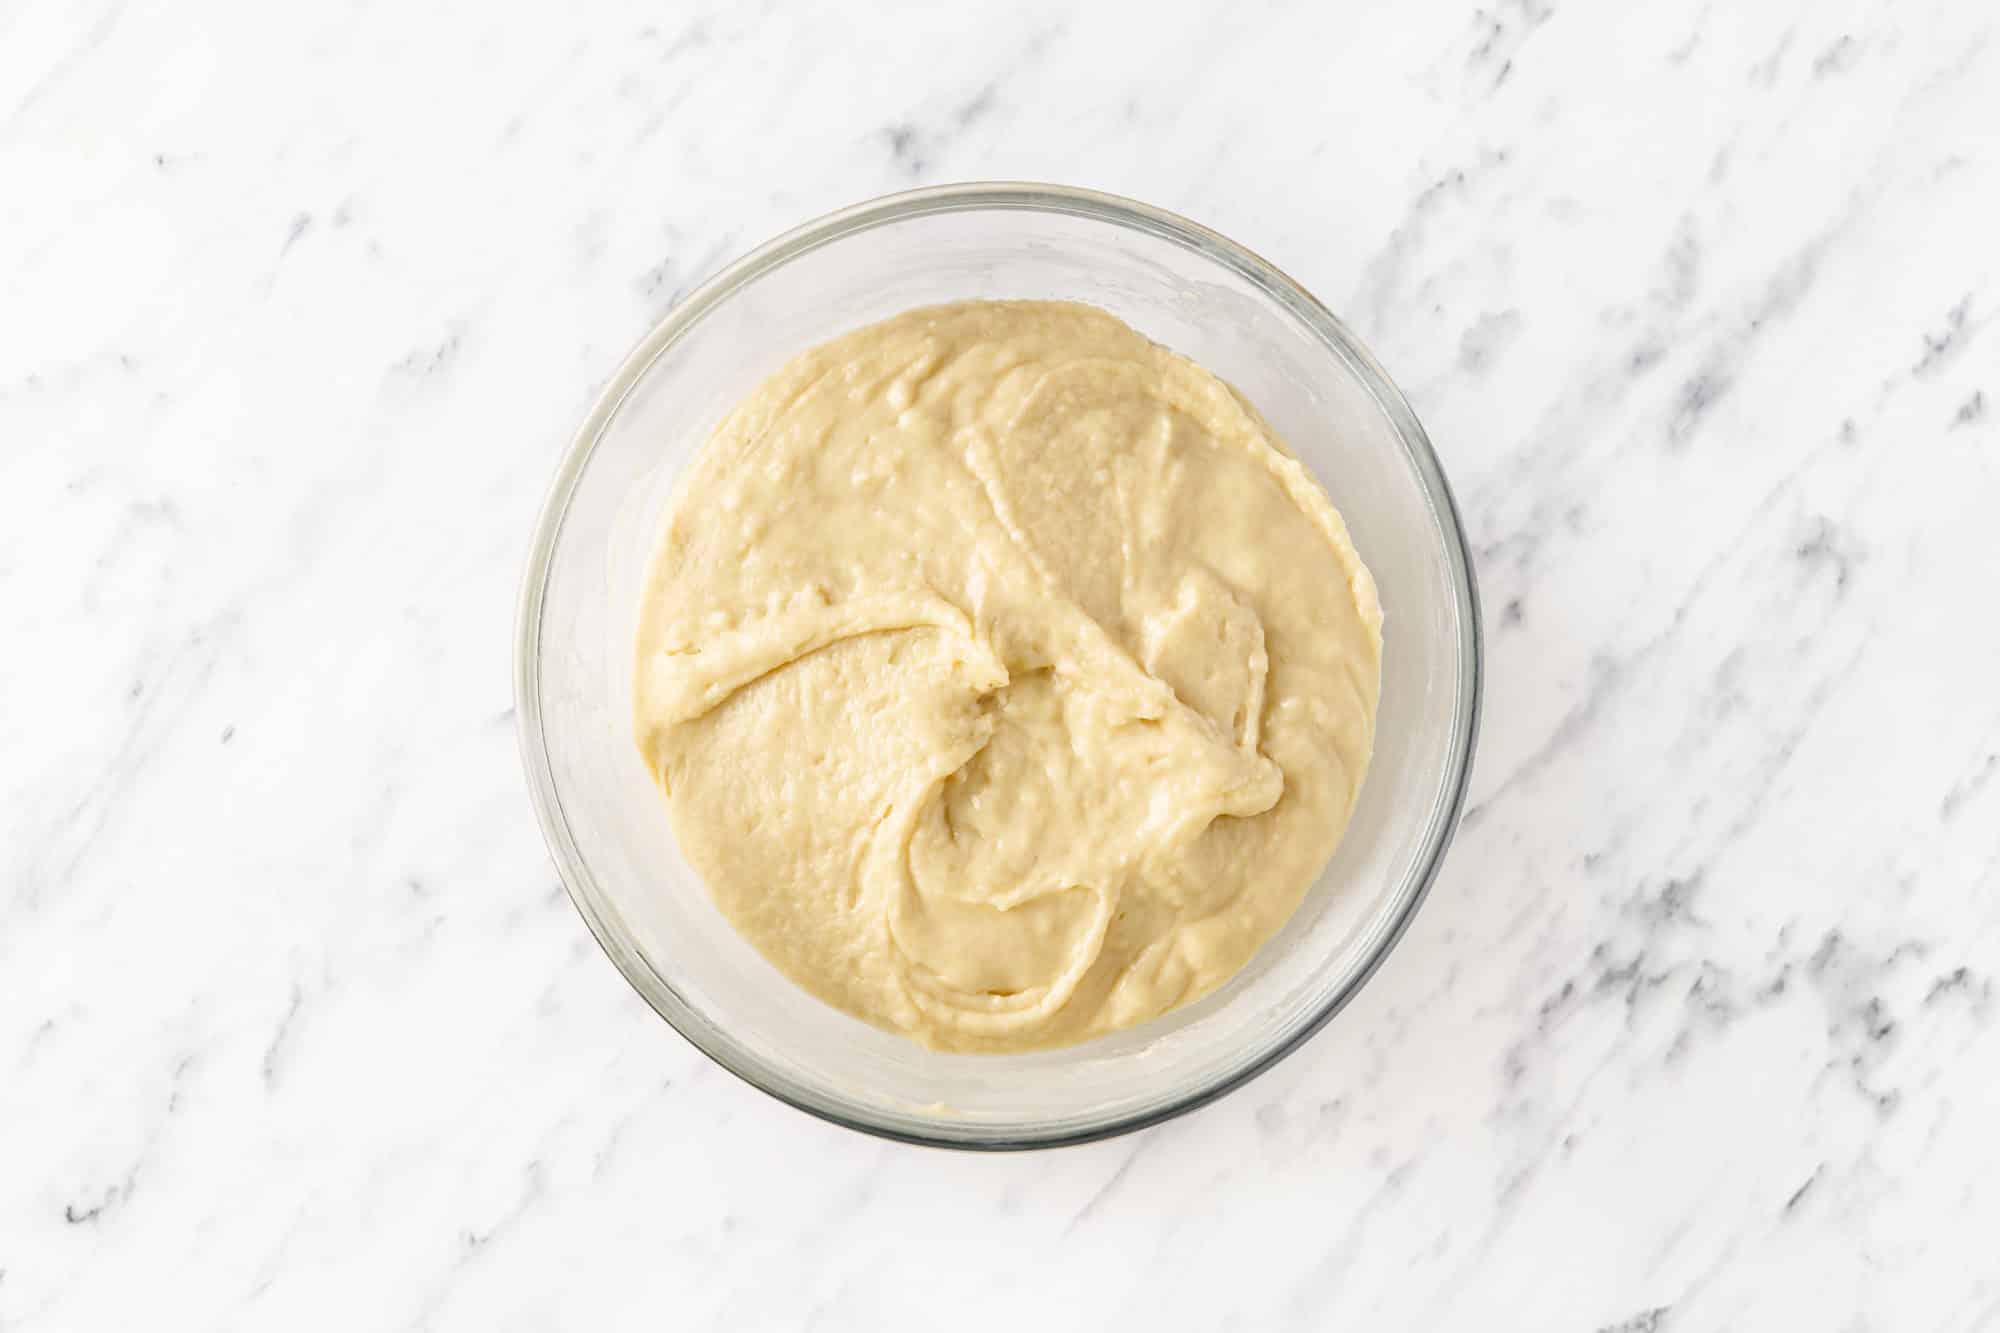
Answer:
[(1698, 1029)]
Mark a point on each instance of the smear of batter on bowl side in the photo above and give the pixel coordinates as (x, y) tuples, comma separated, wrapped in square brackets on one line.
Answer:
[(1009, 679)]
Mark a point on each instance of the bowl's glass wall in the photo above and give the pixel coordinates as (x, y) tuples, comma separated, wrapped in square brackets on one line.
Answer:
[(613, 835)]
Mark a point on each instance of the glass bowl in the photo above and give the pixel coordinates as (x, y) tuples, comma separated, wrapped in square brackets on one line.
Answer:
[(1178, 283)]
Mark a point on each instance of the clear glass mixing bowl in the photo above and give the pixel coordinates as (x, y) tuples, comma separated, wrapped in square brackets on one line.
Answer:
[(1180, 284)]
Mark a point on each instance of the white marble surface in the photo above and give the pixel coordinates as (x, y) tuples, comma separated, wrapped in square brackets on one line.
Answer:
[(297, 305)]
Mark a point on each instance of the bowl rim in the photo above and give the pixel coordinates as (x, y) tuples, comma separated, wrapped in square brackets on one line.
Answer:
[(996, 196)]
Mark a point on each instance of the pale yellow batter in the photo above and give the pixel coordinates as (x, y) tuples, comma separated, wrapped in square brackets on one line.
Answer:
[(1009, 679)]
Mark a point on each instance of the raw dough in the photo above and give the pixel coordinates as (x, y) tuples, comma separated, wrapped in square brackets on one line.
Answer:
[(1009, 679)]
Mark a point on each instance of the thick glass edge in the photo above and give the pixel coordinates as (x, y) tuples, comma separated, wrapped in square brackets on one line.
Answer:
[(638, 971)]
